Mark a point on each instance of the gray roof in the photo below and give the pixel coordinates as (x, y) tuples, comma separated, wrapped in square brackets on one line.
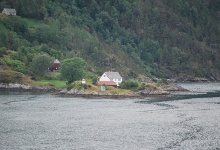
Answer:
[(10, 10), (56, 61), (113, 75)]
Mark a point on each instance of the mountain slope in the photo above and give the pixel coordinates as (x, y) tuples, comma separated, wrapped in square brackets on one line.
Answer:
[(151, 37)]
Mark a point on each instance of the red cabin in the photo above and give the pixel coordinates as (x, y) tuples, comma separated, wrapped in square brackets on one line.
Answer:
[(56, 65)]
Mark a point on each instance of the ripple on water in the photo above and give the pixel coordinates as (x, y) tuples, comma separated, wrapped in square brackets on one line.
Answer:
[(48, 122)]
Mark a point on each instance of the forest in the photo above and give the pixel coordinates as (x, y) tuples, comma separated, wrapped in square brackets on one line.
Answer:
[(162, 38)]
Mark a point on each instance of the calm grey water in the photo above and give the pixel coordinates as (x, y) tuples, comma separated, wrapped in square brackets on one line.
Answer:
[(190, 121)]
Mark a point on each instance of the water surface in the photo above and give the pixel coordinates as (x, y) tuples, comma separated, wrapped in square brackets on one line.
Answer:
[(43, 121)]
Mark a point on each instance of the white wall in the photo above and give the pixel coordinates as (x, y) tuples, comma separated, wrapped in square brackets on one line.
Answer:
[(104, 78), (117, 81)]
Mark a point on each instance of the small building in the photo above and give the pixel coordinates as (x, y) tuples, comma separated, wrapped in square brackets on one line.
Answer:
[(110, 79), (103, 88), (83, 81), (55, 65), (9, 11)]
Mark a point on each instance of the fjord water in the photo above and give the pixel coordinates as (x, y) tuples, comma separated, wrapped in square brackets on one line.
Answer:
[(189, 120)]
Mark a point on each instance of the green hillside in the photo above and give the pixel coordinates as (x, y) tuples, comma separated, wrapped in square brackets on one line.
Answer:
[(162, 38)]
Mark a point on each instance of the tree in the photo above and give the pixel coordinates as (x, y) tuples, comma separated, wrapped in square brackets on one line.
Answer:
[(72, 69), (41, 63), (194, 15), (3, 37)]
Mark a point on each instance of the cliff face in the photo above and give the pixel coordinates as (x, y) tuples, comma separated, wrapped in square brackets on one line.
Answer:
[(159, 38)]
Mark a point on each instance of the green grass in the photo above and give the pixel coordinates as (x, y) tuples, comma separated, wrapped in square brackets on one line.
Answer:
[(31, 22), (52, 75), (53, 83)]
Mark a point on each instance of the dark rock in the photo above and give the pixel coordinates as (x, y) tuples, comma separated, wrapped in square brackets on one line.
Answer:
[(172, 87)]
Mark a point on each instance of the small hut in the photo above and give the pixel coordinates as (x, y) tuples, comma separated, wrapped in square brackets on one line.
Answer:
[(55, 65), (83, 81)]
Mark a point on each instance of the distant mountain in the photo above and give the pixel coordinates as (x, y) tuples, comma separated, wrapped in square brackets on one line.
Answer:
[(163, 38)]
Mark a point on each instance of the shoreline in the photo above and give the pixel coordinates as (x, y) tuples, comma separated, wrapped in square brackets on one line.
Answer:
[(58, 92), (111, 96), (26, 88)]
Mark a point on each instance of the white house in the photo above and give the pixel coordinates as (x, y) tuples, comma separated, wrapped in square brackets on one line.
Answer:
[(9, 11), (110, 78)]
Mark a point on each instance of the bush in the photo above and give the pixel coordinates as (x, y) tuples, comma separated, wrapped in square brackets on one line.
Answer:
[(2, 51), (162, 81), (94, 81), (77, 85), (8, 76), (142, 86), (85, 86), (40, 64), (16, 65), (129, 84)]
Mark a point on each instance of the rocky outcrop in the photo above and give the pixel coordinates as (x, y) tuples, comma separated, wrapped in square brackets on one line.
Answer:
[(148, 92), (191, 79), (72, 91), (16, 86), (172, 88)]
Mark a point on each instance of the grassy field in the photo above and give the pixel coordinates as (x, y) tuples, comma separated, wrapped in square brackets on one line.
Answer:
[(31, 22), (53, 83)]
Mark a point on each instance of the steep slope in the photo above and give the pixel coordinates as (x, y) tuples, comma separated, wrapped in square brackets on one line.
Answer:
[(151, 37)]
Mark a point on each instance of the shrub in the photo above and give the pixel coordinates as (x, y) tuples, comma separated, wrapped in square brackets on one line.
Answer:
[(16, 65), (77, 85), (94, 81), (2, 51), (85, 86), (142, 86), (162, 81), (40, 64), (129, 84)]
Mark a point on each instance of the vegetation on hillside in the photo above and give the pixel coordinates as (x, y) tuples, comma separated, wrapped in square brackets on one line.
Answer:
[(152, 37), (72, 69)]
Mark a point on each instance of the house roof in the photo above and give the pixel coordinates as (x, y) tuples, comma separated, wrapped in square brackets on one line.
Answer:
[(10, 10), (108, 83), (113, 75), (56, 61)]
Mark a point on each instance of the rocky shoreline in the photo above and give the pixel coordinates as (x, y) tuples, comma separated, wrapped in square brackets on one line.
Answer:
[(163, 91), (26, 88)]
